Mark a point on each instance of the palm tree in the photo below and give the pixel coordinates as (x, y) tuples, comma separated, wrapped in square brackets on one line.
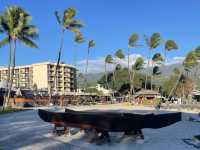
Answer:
[(152, 43), (169, 45), (119, 54), (131, 43), (189, 62), (66, 22), (108, 60), (138, 65), (157, 59), (91, 44), (15, 24), (78, 40)]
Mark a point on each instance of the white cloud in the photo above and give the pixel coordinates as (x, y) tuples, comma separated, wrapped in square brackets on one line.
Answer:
[(98, 65)]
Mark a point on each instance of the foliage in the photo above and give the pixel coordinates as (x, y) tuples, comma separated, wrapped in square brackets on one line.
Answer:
[(10, 110), (93, 90), (157, 57), (138, 65), (132, 40), (122, 78), (109, 59), (78, 38), (170, 45), (91, 44), (190, 60), (120, 54), (184, 87), (15, 23), (154, 41)]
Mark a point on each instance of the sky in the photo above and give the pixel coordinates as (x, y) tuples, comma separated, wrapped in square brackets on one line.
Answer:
[(109, 23)]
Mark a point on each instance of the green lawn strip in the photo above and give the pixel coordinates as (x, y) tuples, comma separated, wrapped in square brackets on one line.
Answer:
[(11, 110)]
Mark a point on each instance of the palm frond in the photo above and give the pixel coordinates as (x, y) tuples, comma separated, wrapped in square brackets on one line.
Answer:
[(91, 44), (58, 18), (170, 44), (109, 59), (28, 42), (119, 54), (132, 40), (155, 40), (69, 13), (79, 38), (4, 42), (157, 57)]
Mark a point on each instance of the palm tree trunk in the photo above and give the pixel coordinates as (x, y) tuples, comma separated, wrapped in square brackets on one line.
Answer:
[(12, 72), (106, 76), (8, 78), (87, 62), (58, 60), (147, 73), (129, 71), (176, 84), (75, 55), (133, 76)]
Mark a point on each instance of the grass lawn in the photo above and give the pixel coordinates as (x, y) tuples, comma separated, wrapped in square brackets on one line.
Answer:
[(10, 110)]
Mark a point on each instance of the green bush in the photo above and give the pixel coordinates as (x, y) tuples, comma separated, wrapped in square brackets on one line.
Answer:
[(153, 102), (9, 110)]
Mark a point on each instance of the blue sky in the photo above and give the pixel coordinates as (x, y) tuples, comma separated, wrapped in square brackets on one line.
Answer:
[(109, 23)]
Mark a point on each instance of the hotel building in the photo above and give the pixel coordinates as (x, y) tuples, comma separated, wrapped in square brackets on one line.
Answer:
[(42, 75)]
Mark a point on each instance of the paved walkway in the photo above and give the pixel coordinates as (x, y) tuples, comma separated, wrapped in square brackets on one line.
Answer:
[(25, 131)]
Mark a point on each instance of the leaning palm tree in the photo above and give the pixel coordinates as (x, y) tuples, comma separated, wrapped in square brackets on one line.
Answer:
[(66, 22), (15, 24), (108, 60), (169, 46), (131, 43), (91, 44), (152, 43), (189, 62)]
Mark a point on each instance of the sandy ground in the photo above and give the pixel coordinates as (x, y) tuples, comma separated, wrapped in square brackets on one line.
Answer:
[(26, 131)]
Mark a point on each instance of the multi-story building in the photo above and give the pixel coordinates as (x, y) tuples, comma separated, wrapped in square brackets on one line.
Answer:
[(42, 76)]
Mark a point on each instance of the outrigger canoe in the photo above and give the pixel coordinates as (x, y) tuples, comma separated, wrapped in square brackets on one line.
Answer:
[(109, 121)]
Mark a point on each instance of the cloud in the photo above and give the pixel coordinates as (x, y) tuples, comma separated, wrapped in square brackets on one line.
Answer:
[(175, 60), (98, 65)]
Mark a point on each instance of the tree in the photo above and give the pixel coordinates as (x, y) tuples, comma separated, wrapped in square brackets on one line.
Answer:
[(169, 46), (108, 60), (66, 22), (138, 65), (15, 23), (152, 43), (119, 54), (91, 44), (131, 43)]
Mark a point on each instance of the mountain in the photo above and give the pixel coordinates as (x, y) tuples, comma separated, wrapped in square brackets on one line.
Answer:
[(92, 78)]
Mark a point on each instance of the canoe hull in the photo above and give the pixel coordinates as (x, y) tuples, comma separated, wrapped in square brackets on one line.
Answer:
[(106, 121)]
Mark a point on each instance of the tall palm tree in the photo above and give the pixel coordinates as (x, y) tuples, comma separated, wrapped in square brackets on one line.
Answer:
[(157, 59), (138, 65), (78, 40), (91, 44), (108, 60), (119, 54), (152, 43), (66, 22), (131, 43), (169, 46), (15, 23)]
